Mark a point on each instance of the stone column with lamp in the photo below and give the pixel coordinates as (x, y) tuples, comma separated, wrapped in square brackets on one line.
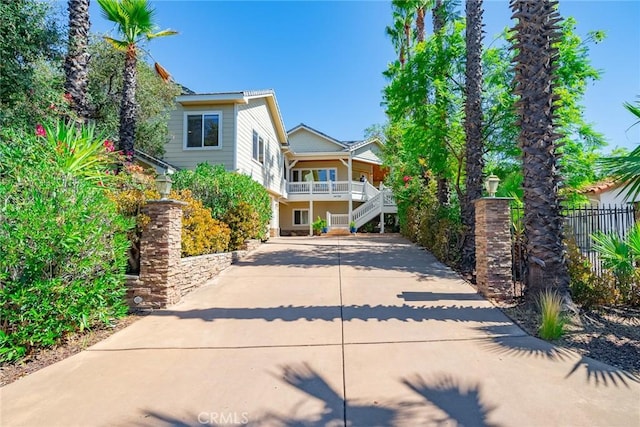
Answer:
[(493, 243), (160, 251)]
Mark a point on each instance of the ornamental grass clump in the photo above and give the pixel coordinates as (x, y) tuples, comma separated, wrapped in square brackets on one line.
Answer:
[(552, 320)]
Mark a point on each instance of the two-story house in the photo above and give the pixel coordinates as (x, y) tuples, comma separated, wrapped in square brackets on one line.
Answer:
[(307, 173)]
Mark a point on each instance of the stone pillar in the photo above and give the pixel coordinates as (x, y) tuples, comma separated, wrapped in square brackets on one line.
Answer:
[(493, 247), (160, 252)]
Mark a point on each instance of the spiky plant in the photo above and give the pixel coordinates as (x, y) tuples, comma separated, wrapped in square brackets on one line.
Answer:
[(536, 34), (552, 320)]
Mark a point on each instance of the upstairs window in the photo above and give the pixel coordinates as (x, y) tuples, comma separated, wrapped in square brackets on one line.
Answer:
[(258, 148), (203, 130)]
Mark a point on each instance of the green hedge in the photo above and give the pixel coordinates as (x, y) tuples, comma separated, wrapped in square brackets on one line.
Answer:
[(233, 198), (62, 250)]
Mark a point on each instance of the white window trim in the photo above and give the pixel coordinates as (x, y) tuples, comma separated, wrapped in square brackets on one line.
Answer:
[(335, 170), (293, 218), (185, 129), (265, 141)]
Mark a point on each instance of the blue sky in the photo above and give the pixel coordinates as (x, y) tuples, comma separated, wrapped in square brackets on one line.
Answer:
[(325, 59)]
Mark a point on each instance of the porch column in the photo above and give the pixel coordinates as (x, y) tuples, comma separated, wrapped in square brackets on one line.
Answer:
[(349, 173), (310, 217), (382, 221)]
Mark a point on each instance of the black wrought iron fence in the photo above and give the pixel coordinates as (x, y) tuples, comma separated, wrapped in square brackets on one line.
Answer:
[(580, 224)]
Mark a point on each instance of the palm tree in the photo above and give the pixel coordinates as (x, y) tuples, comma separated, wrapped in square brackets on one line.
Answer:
[(439, 18), (626, 169), (400, 32), (473, 130), (536, 35), (76, 61), (134, 19)]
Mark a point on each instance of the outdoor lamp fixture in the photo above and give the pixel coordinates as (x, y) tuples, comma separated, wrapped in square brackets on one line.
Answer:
[(491, 184), (163, 185)]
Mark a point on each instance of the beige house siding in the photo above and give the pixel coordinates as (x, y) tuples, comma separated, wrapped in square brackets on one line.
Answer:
[(303, 141), (252, 117), (319, 209), (190, 158), (369, 152)]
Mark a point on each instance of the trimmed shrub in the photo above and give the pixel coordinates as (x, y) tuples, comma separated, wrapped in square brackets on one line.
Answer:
[(201, 233), (223, 192), (62, 250)]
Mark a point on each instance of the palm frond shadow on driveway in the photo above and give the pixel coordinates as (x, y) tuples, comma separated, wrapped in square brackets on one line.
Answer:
[(598, 373)]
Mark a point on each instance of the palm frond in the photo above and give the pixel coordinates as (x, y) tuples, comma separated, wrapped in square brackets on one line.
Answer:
[(118, 44), (162, 72), (163, 33)]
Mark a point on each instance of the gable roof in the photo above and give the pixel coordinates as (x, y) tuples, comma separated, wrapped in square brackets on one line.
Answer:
[(318, 133), (239, 97)]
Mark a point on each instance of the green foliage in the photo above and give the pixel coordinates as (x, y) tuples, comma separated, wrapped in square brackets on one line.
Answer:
[(201, 234), (28, 34), (622, 257), (78, 151), (155, 98), (244, 222), (422, 220), (552, 320), (223, 191), (318, 225), (134, 19), (587, 288), (625, 167), (62, 249)]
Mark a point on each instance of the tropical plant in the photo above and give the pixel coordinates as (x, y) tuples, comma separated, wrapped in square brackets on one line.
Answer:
[(473, 127), (536, 34), (77, 150), (621, 257), (552, 320), (77, 59), (155, 98), (626, 168), (135, 22), (318, 225)]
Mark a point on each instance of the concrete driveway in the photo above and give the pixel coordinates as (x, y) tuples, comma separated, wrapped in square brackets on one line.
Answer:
[(357, 331)]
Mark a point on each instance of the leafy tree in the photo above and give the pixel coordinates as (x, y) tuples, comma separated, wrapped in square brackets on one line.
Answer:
[(134, 19), (77, 59), (536, 36), (28, 35), (154, 97)]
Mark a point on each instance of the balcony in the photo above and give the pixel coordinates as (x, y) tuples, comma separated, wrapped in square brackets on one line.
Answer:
[(330, 190)]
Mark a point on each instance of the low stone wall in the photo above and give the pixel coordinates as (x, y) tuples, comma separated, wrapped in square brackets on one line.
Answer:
[(196, 270), (165, 277)]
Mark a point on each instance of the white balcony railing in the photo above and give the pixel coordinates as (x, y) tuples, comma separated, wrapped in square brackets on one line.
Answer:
[(327, 187)]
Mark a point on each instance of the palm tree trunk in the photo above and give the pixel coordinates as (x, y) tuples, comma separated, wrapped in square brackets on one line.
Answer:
[(420, 24), (77, 59), (473, 130), (443, 190), (128, 105), (536, 32)]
